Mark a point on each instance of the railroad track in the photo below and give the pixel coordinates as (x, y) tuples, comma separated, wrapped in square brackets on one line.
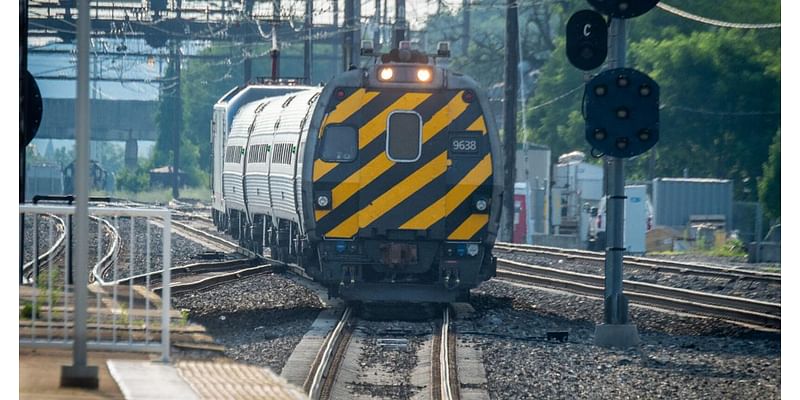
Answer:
[(658, 265), (105, 266), (321, 379), (32, 267), (748, 311)]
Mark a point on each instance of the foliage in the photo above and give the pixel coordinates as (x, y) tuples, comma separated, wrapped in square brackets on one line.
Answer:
[(769, 186), (720, 93), (539, 25), (731, 248), (133, 180)]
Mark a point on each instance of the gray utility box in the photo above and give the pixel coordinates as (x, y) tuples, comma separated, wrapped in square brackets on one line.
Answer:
[(676, 201)]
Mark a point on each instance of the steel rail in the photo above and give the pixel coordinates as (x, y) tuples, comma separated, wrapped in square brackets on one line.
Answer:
[(54, 251), (217, 279), (321, 368), (649, 263), (202, 235), (102, 266), (726, 307), (446, 392)]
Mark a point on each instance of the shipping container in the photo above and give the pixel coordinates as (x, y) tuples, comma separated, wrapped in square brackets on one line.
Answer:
[(533, 169), (678, 201)]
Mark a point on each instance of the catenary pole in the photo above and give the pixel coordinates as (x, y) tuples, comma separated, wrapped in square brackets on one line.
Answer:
[(79, 373), (510, 119)]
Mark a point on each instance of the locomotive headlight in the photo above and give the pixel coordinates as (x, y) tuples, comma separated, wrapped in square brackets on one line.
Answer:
[(472, 249), (323, 200), (481, 204), (424, 75), (386, 74)]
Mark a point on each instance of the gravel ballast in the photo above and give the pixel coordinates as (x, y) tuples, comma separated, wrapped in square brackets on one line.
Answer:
[(680, 356), (258, 319), (741, 288)]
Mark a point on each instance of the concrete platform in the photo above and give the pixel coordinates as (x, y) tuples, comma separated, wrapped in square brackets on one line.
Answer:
[(133, 376)]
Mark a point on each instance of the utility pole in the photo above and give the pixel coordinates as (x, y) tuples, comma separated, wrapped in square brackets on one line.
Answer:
[(275, 54), (347, 38), (376, 36), (399, 23), (307, 45), (465, 12), (334, 37), (510, 119), (178, 120)]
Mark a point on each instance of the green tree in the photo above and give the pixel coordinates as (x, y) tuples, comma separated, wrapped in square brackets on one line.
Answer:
[(769, 186), (720, 93)]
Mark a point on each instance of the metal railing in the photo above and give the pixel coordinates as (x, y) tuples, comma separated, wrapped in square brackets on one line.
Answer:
[(122, 316)]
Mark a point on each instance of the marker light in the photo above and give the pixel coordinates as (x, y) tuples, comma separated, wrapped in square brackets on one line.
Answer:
[(424, 75), (481, 205), (472, 249), (386, 74), (323, 200)]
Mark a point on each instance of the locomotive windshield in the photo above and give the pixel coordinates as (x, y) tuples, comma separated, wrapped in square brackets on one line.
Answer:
[(404, 137), (339, 144)]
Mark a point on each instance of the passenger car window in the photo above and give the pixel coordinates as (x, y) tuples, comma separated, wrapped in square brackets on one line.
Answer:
[(404, 136), (339, 144)]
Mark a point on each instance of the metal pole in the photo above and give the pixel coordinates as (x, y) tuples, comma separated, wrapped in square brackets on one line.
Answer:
[(178, 122), (376, 36), (616, 332), (307, 47), (510, 119), (759, 230), (23, 66), (79, 374), (275, 54), (347, 39), (165, 293), (399, 23), (465, 27)]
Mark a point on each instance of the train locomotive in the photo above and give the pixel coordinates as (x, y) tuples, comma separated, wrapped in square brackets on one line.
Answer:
[(383, 185)]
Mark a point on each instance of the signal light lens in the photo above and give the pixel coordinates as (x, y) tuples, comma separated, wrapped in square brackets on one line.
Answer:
[(386, 74), (600, 90), (599, 134), (622, 81), (424, 75), (468, 96), (622, 113), (644, 135), (339, 94), (622, 143), (645, 90)]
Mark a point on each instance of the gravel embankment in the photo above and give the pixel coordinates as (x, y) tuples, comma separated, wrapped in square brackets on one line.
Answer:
[(741, 288), (680, 356), (258, 319)]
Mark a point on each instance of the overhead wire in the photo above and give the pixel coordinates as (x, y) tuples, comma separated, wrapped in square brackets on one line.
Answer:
[(714, 22)]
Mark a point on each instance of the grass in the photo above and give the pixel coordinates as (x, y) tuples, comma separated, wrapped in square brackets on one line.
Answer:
[(162, 195), (731, 248)]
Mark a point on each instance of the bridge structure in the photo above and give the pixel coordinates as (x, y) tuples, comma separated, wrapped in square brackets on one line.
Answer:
[(111, 120)]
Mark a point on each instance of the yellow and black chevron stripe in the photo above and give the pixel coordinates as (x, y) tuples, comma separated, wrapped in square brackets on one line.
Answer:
[(374, 194)]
